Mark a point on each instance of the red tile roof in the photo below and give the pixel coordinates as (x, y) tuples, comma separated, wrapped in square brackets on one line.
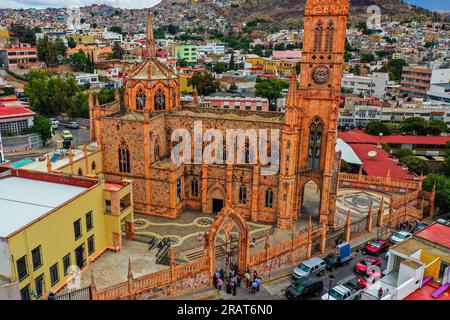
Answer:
[(15, 112), (360, 136), (381, 163), (436, 233)]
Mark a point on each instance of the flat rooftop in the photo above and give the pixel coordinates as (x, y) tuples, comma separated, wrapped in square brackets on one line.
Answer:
[(22, 201)]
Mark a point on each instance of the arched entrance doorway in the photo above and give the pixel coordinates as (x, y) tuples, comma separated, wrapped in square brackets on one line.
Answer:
[(310, 206), (216, 199), (228, 242)]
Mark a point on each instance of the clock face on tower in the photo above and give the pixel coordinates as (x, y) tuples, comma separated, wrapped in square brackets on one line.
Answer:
[(320, 75)]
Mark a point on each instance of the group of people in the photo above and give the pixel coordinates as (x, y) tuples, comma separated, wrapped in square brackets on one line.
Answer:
[(407, 225), (233, 280)]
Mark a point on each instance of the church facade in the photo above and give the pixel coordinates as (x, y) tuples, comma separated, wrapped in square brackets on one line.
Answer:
[(134, 135)]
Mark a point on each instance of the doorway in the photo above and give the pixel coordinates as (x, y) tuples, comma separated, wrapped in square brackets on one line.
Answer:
[(310, 200), (217, 205), (79, 256)]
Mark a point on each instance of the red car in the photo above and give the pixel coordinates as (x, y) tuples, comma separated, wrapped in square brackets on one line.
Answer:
[(375, 247), (362, 266), (367, 279)]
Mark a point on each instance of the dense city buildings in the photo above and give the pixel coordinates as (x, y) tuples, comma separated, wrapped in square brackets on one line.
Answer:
[(179, 150)]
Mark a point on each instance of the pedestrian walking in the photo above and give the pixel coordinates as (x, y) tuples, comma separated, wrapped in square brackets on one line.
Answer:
[(258, 282), (215, 279), (254, 286), (380, 293), (222, 273), (233, 285), (238, 281), (219, 284), (247, 279)]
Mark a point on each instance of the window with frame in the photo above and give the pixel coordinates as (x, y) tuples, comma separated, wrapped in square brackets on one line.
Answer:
[(25, 293), (269, 199), (38, 285), (315, 145), (36, 257), (77, 229), (66, 264), (124, 157), (243, 195), (318, 36), (194, 188), (179, 193), (329, 38), (54, 274), (91, 245), (89, 223), (22, 270), (141, 99), (160, 100)]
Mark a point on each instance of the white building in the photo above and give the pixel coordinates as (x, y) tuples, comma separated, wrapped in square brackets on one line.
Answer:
[(87, 78), (211, 48), (439, 93), (114, 37), (375, 85)]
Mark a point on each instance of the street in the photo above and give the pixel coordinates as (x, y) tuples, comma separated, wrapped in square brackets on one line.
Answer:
[(275, 290), (79, 136)]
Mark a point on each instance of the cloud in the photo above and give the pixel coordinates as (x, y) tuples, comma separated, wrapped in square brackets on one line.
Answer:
[(17, 4)]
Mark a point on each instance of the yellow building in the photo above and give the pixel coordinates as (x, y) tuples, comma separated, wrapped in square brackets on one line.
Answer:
[(4, 37), (83, 39), (54, 225), (256, 61), (100, 54), (280, 68)]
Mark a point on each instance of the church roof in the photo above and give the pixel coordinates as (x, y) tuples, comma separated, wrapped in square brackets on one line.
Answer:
[(158, 70)]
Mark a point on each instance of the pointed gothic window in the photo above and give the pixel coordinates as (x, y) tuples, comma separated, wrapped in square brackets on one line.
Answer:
[(194, 188), (269, 198), (174, 98), (243, 195), (160, 100), (329, 37), (315, 144), (124, 157), (318, 36), (140, 100)]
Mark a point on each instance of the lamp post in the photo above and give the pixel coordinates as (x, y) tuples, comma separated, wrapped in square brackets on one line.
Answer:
[(331, 278)]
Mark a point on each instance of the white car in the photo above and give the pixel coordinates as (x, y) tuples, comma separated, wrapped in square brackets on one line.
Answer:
[(399, 237)]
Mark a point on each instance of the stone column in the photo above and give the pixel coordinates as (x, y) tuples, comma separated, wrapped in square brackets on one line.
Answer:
[(309, 241), (147, 160), (255, 193), (130, 279), (323, 239), (49, 164), (86, 160), (229, 195), (71, 160), (369, 219), (381, 214), (347, 227), (204, 188)]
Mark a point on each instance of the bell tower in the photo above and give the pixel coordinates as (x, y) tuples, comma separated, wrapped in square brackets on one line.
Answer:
[(311, 122)]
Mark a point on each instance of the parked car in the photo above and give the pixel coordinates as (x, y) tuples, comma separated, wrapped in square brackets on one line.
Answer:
[(309, 267), (72, 125), (304, 288), (419, 227), (347, 291), (341, 257), (362, 266), (369, 279), (375, 247), (399, 237), (67, 135)]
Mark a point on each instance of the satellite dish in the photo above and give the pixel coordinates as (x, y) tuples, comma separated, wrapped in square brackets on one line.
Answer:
[(372, 154)]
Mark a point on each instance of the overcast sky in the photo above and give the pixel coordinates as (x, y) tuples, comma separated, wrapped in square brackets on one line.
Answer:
[(430, 4)]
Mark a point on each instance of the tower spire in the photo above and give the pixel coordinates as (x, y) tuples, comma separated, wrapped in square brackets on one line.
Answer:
[(151, 44), (291, 100)]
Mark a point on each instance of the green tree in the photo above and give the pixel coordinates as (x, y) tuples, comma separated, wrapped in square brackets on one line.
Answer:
[(71, 43), (118, 51), (367, 58), (42, 126), (445, 167), (403, 153), (219, 67), (270, 88), (116, 29), (414, 125), (182, 63), (79, 61), (205, 83), (47, 51), (442, 184), (24, 34), (415, 164), (231, 65), (376, 127), (394, 68), (435, 127), (60, 47)]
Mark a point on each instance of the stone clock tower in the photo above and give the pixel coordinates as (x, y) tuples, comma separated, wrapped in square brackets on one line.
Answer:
[(312, 107)]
